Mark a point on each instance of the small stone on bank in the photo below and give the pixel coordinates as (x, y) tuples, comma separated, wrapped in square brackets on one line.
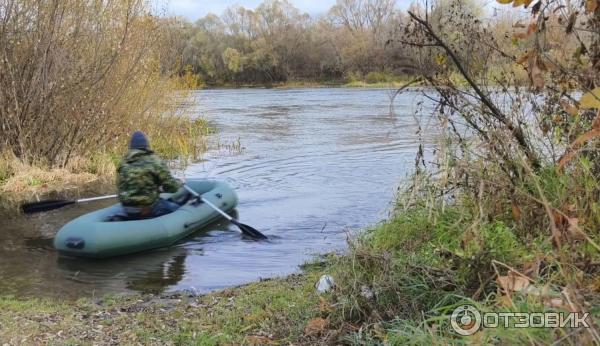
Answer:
[(325, 284)]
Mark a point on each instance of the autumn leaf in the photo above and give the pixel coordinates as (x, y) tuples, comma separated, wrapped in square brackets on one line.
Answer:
[(568, 156), (523, 58), (556, 303), (316, 326), (440, 59), (504, 2), (557, 119), (517, 3), (591, 99), (573, 228), (566, 224), (596, 284), (531, 28), (324, 306), (596, 121), (516, 211), (569, 207), (532, 268), (568, 107), (537, 78), (259, 340), (591, 5), (512, 282), (520, 35), (560, 220), (564, 85)]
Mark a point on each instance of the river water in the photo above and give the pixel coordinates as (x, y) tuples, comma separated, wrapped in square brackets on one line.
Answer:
[(310, 166)]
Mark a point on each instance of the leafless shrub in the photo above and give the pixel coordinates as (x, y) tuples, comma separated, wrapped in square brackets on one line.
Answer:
[(76, 76)]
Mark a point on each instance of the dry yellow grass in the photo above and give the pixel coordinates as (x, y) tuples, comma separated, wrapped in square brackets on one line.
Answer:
[(21, 182)]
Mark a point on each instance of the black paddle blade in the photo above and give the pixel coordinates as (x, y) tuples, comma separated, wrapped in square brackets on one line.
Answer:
[(37, 207), (247, 230)]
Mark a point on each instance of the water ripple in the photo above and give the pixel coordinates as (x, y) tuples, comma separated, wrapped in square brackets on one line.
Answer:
[(317, 164)]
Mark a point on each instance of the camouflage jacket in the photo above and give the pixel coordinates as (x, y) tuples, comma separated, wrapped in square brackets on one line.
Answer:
[(140, 176)]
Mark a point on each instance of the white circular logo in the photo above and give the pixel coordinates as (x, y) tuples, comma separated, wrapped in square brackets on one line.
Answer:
[(465, 320)]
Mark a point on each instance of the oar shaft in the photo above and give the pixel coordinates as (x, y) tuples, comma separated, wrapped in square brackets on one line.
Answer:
[(217, 209), (36, 207), (208, 202), (95, 198)]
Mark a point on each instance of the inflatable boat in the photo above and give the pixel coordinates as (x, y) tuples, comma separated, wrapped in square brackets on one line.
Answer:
[(97, 234)]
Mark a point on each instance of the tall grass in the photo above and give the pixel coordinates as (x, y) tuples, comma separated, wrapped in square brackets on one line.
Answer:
[(402, 279), (511, 194)]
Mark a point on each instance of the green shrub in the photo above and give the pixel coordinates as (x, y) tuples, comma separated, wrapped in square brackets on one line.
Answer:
[(354, 77), (378, 77)]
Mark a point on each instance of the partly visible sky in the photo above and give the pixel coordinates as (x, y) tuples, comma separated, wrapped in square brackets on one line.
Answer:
[(194, 9)]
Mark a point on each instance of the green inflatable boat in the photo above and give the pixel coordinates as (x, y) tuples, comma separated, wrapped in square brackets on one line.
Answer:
[(94, 235)]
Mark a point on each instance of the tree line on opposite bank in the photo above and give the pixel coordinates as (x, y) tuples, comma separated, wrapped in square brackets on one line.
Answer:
[(355, 41)]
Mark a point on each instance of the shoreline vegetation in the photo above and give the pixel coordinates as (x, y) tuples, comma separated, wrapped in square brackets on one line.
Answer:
[(397, 284), (76, 80), (179, 139), (308, 85), (372, 80)]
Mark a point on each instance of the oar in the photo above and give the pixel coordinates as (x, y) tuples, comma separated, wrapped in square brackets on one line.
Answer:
[(36, 207), (244, 228)]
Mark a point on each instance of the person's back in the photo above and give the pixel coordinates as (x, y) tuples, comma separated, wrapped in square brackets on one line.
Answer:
[(140, 178)]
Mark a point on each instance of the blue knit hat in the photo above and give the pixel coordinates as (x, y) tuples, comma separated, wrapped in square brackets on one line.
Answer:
[(139, 141)]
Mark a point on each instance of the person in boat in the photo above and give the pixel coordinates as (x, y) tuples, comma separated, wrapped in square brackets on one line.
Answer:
[(141, 177)]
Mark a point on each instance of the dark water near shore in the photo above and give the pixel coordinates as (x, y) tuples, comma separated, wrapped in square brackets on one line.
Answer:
[(314, 165)]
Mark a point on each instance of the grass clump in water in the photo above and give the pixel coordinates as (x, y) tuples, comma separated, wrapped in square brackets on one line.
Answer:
[(375, 80)]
